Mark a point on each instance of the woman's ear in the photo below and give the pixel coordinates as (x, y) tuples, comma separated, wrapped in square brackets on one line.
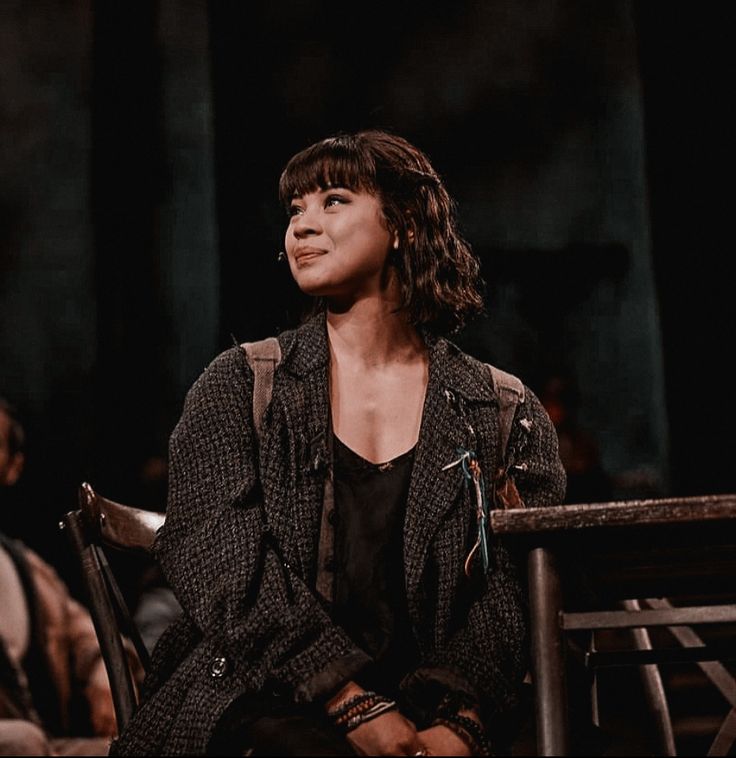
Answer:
[(409, 226), (14, 469), (396, 237), (409, 235)]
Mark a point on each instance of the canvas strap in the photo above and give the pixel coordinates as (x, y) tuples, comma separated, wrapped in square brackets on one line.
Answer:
[(263, 357), (510, 391)]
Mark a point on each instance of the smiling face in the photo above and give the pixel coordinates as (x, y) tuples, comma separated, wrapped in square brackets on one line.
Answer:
[(338, 243)]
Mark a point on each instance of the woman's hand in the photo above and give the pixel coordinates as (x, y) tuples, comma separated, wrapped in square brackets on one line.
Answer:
[(439, 740), (388, 734)]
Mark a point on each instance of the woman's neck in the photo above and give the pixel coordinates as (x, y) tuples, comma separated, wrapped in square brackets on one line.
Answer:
[(373, 333)]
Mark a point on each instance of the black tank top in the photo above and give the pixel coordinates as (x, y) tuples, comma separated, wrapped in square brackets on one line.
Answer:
[(370, 590)]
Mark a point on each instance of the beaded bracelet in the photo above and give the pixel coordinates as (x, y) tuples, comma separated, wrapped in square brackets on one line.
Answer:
[(468, 730)]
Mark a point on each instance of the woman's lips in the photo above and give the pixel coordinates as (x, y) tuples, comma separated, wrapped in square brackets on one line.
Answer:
[(303, 257)]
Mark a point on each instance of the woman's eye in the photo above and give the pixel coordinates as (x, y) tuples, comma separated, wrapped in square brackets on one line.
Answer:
[(333, 200), (294, 210)]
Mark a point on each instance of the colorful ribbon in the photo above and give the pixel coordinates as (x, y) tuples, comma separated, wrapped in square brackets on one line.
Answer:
[(468, 461)]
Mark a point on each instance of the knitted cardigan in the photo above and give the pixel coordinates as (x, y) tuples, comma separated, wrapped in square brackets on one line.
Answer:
[(240, 544)]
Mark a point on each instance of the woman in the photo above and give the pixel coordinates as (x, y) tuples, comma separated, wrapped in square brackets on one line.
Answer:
[(339, 595)]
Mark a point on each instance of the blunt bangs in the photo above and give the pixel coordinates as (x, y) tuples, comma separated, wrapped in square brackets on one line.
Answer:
[(335, 162)]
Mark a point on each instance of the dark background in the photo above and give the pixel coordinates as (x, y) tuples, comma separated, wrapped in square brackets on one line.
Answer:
[(587, 145)]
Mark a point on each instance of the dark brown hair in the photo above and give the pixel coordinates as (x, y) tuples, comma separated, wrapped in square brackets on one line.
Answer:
[(438, 273)]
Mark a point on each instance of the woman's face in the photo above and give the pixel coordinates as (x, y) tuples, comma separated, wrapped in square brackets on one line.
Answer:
[(337, 243)]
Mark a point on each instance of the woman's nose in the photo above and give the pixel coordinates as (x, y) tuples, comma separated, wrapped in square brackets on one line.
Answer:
[(306, 223)]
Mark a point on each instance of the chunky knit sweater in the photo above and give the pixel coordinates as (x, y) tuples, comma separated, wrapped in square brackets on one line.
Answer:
[(241, 538)]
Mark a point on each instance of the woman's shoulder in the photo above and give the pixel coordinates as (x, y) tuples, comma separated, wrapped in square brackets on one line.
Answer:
[(226, 375), (227, 364), (486, 371), (233, 359), (219, 396), (460, 357)]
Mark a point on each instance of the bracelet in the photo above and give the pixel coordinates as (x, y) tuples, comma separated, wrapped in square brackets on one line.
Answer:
[(381, 707), (468, 730), (359, 709), (355, 712), (350, 703)]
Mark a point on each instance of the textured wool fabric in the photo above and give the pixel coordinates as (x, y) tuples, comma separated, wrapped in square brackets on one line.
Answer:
[(240, 550)]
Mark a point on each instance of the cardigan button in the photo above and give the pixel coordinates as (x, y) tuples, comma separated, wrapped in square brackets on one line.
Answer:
[(218, 667)]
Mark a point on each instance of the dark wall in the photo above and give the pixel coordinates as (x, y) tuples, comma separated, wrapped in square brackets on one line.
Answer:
[(128, 180), (109, 261), (686, 58), (153, 211), (533, 114), (48, 338)]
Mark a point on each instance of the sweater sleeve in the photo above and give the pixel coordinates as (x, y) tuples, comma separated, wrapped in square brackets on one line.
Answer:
[(221, 560)]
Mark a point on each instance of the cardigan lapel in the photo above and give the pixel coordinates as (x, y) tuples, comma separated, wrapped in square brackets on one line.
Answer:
[(457, 386), (300, 410), (455, 389)]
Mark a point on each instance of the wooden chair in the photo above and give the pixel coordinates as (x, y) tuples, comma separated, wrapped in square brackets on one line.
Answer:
[(676, 555), (100, 524)]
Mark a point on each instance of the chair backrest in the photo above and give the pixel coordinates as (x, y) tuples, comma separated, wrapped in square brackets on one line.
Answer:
[(96, 524)]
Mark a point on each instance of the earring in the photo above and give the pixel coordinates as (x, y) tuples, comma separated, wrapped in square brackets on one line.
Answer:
[(281, 256)]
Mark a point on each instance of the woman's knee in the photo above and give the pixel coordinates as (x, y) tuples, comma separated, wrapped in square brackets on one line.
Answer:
[(19, 737)]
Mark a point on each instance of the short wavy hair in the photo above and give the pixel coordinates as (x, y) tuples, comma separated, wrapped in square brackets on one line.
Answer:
[(439, 275)]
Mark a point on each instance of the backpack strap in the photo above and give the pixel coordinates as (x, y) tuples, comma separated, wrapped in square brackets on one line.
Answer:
[(510, 391), (263, 356)]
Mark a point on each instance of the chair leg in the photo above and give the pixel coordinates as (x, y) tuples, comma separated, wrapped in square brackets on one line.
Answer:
[(717, 673), (547, 654), (726, 736), (653, 686), (595, 713)]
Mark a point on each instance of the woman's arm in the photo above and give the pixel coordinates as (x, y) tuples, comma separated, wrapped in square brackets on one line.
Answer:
[(219, 557)]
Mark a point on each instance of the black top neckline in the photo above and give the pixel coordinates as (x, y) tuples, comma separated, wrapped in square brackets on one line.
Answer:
[(365, 463)]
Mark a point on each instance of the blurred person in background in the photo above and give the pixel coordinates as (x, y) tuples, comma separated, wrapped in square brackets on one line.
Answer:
[(54, 692)]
